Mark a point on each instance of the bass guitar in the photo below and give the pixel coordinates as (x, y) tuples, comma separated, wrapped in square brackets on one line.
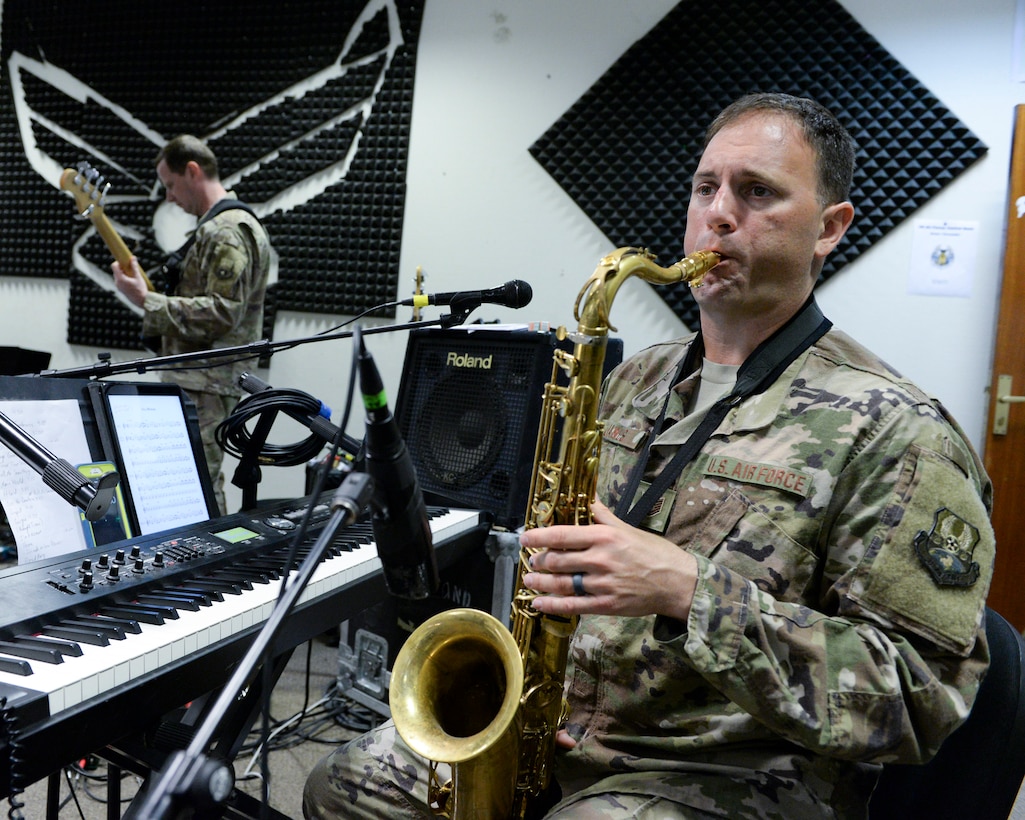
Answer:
[(89, 190)]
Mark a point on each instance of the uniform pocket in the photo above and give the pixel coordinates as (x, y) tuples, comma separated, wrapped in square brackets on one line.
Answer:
[(741, 538)]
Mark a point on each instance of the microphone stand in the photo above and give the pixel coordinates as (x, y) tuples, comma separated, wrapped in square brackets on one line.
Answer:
[(190, 778), (252, 350), (93, 499)]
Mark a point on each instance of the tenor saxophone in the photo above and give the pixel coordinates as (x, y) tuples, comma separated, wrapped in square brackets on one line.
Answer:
[(489, 700)]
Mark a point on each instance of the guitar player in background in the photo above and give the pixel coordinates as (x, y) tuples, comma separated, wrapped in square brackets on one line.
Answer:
[(215, 286)]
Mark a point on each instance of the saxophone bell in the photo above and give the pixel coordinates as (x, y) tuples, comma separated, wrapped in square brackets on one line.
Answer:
[(455, 698)]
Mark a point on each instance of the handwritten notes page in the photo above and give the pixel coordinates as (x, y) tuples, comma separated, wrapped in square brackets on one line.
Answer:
[(44, 524), (158, 460)]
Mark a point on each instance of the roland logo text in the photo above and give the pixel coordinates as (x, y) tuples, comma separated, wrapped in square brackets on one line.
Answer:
[(466, 360)]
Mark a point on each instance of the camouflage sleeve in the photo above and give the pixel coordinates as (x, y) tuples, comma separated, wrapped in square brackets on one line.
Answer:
[(217, 285), (886, 663)]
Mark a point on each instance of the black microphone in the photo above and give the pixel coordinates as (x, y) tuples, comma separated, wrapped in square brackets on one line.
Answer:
[(404, 541), (514, 294), (58, 474)]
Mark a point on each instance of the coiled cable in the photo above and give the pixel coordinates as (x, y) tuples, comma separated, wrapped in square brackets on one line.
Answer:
[(234, 437), (8, 722)]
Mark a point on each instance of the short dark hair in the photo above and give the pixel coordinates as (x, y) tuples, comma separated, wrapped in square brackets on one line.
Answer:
[(833, 145), (184, 149)]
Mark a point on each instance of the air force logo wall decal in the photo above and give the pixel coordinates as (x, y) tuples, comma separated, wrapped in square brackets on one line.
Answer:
[(947, 549), (317, 146), (173, 235)]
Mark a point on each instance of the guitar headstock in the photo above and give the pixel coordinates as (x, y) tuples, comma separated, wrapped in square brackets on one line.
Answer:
[(87, 186), (89, 190)]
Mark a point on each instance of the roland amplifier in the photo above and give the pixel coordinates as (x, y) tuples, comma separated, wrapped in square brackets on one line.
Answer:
[(468, 408)]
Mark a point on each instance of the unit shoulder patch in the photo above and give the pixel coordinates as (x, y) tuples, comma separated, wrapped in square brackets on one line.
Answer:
[(947, 550)]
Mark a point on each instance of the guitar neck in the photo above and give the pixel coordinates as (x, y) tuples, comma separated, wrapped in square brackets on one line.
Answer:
[(117, 246)]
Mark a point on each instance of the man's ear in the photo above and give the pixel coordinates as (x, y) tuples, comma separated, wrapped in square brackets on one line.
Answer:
[(836, 219)]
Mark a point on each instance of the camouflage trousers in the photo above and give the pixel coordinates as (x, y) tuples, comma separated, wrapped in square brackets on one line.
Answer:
[(377, 776), (212, 409)]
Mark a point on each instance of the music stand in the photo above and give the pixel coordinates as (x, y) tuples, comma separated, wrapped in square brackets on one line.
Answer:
[(17, 361)]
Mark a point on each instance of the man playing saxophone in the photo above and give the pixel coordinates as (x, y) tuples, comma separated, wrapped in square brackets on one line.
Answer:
[(784, 581)]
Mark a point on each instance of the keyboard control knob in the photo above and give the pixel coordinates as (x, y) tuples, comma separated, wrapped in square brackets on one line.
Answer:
[(279, 523), (87, 581)]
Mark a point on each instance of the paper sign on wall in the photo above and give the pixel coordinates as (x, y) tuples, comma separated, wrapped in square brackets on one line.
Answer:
[(943, 258)]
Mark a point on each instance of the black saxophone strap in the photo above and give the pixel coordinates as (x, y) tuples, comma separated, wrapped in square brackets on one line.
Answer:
[(756, 374)]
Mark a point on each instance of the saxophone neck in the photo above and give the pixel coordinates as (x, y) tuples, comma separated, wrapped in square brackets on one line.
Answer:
[(595, 298)]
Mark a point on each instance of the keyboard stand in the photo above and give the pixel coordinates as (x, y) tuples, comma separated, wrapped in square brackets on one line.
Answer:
[(145, 753)]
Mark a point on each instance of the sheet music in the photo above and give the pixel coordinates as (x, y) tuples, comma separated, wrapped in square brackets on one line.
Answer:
[(44, 524), (158, 461)]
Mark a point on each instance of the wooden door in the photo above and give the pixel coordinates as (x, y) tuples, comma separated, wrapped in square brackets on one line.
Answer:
[(1005, 436)]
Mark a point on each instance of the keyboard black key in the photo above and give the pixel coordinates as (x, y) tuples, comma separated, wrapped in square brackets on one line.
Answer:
[(169, 612), (15, 666), (69, 648), (214, 586), (113, 631), (136, 613), (208, 594), (32, 653), (94, 637), (128, 625), (240, 578), (160, 599)]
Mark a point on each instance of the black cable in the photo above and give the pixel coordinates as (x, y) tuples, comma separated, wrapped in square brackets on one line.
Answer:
[(233, 437), (8, 722), (308, 724)]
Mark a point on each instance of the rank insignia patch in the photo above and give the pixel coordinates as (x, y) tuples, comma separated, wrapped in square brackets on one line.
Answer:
[(947, 550)]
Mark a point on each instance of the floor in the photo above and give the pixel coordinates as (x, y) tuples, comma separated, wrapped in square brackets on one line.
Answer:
[(311, 717)]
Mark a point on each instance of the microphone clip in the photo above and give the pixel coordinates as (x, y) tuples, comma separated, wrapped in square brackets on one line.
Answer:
[(460, 312), (353, 496)]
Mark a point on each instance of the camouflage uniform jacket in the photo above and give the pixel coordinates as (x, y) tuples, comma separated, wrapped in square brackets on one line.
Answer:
[(218, 302), (840, 524)]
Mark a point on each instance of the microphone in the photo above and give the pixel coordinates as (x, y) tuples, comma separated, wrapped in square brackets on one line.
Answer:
[(58, 474), (514, 294), (404, 541)]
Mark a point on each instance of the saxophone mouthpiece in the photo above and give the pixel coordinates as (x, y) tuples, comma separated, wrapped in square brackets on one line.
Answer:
[(693, 267)]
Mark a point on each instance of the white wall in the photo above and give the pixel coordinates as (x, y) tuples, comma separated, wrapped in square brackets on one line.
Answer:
[(492, 78)]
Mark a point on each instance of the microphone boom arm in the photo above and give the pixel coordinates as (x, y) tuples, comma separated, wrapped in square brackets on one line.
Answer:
[(93, 499)]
